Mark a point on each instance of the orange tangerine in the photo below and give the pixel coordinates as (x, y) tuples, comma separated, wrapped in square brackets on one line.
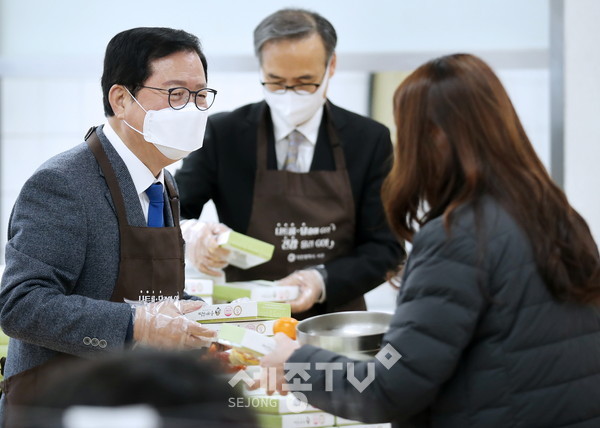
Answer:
[(287, 326)]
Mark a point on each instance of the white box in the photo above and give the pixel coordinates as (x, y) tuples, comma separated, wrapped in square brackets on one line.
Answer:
[(246, 340), (242, 311), (265, 291), (246, 252), (382, 425), (262, 327), (199, 286), (296, 420)]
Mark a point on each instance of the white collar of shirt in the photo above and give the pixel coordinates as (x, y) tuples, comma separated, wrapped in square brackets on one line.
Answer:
[(310, 128), (140, 174)]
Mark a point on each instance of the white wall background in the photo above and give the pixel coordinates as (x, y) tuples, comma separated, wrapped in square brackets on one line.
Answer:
[(70, 28), (51, 59), (582, 109)]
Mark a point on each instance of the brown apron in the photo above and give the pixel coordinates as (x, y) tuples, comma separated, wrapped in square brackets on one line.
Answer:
[(151, 268), (309, 217)]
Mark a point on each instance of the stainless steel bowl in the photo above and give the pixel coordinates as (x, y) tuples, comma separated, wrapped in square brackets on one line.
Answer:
[(356, 334)]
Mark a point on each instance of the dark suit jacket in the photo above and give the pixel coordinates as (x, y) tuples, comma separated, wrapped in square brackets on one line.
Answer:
[(479, 340), (224, 169)]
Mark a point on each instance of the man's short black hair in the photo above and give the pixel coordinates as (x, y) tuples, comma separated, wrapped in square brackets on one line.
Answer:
[(129, 54)]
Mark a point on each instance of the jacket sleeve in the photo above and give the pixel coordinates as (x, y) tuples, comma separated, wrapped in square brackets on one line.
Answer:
[(45, 255), (197, 177), (437, 312), (376, 250)]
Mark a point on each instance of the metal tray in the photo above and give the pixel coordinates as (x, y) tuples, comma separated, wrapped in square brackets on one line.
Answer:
[(356, 334)]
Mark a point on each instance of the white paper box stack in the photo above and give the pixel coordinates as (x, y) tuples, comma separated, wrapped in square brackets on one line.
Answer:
[(262, 326), (342, 422), (242, 311), (246, 340), (296, 420)]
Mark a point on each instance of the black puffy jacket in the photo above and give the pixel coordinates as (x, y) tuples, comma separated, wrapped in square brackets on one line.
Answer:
[(482, 342)]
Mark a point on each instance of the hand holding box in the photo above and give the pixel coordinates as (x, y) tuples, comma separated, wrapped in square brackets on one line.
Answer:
[(246, 252)]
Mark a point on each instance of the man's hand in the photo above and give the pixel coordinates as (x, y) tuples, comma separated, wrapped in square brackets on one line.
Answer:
[(201, 247), (311, 286), (163, 325)]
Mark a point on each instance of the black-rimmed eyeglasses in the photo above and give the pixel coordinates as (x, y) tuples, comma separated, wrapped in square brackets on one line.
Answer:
[(180, 96), (300, 89)]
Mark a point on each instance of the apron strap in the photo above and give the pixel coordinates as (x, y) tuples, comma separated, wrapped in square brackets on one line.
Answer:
[(173, 200), (95, 146), (263, 139)]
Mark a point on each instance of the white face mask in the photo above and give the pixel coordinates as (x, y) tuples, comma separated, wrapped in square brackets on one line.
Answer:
[(175, 133), (296, 109)]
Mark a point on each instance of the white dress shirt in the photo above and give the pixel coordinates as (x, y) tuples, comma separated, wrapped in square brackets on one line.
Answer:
[(306, 150), (140, 174)]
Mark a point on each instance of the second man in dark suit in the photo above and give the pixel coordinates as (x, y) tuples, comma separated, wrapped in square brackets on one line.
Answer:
[(298, 172)]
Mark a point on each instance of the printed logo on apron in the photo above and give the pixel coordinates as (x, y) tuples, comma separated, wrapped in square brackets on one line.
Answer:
[(305, 238)]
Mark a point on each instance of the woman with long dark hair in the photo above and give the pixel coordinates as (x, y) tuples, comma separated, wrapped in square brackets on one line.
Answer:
[(498, 316)]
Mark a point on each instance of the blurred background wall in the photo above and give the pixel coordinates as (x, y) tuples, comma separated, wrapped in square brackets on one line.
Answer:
[(51, 62)]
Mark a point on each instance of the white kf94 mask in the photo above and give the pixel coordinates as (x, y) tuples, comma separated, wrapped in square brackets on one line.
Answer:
[(175, 133), (296, 109)]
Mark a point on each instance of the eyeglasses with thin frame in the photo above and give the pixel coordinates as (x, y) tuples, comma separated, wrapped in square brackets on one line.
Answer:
[(180, 96), (300, 89)]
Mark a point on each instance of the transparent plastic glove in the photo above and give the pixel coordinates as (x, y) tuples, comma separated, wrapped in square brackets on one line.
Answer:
[(272, 375), (163, 325), (201, 247), (311, 286)]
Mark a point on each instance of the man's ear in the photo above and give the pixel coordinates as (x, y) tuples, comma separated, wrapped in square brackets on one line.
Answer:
[(117, 97), (332, 64)]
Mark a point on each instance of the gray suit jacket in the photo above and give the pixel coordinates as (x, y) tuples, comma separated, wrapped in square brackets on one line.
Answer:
[(62, 261)]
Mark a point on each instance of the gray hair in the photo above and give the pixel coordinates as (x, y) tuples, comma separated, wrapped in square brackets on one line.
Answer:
[(294, 24)]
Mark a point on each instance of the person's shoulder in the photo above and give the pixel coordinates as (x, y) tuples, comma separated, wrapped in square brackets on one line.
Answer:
[(71, 161), (489, 215), (69, 173), (472, 224), (355, 120)]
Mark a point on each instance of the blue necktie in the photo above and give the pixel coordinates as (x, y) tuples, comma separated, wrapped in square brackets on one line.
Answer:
[(157, 204)]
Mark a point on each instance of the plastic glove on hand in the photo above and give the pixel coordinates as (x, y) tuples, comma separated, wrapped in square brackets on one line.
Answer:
[(163, 325), (273, 374), (311, 287), (201, 246)]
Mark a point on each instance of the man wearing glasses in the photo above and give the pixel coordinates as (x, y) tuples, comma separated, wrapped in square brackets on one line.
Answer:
[(94, 260), (298, 172)]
